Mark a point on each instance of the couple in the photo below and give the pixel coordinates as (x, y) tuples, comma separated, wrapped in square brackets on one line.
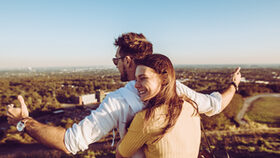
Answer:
[(119, 107)]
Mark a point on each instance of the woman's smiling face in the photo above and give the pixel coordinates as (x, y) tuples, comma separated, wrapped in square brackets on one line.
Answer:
[(148, 82)]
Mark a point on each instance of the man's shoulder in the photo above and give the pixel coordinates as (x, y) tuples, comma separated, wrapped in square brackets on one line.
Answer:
[(118, 96), (125, 96), (128, 87), (115, 95)]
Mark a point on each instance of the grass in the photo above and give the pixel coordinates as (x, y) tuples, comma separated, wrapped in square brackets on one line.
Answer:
[(265, 110)]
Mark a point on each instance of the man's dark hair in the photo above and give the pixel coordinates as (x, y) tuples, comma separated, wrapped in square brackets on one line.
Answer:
[(134, 45)]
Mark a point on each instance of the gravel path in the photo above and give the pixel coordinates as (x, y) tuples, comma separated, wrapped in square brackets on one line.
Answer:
[(248, 101)]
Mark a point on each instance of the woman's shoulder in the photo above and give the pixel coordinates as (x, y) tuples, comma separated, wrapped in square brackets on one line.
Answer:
[(140, 116), (158, 120), (189, 108), (158, 112)]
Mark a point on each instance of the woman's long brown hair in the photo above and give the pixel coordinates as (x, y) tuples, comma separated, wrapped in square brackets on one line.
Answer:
[(167, 95)]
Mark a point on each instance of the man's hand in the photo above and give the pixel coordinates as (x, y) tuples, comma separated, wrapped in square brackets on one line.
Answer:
[(16, 114), (236, 77)]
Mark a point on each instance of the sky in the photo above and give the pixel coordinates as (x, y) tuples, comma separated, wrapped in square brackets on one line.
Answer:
[(51, 33)]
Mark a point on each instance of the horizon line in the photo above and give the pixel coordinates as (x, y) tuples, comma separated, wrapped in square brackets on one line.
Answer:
[(113, 66)]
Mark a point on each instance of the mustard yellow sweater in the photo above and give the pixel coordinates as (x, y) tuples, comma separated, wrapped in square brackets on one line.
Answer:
[(182, 141)]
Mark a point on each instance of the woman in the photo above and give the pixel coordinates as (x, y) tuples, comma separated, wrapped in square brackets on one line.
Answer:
[(169, 125)]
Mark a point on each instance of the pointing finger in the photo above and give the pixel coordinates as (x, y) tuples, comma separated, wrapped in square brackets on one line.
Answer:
[(24, 109), (237, 70), (21, 100), (22, 103)]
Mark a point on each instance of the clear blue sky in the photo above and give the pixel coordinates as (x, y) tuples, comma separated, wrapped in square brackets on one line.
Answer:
[(81, 32)]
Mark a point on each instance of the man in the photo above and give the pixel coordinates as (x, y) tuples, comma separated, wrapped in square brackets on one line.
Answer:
[(118, 108)]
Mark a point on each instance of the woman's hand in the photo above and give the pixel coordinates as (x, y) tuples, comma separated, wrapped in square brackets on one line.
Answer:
[(118, 155)]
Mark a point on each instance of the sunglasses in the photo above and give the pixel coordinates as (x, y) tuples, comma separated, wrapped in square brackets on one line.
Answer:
[(116, 60)]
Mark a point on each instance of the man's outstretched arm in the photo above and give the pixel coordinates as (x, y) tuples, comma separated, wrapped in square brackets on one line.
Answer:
[(48, 135), (77, 138), (228, 94), (215, 102)]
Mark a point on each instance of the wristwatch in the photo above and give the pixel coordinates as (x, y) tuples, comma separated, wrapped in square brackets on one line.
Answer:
[(235, 86), (21, 124)]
